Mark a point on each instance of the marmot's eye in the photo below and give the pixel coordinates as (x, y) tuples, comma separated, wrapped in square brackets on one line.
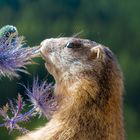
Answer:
[(70, 45), (74, 44)]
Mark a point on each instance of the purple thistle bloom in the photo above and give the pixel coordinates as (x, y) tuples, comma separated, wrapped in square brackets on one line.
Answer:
[(42, 98), (13, 56), (11, 122)]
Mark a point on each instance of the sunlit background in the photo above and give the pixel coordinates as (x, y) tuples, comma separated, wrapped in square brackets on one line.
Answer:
[(113, 23)]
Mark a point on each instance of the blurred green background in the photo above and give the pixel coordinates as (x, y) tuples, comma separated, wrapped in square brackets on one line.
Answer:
[(113, 23)]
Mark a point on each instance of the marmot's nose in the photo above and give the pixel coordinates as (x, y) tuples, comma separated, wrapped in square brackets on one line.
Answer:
[(44, 48)]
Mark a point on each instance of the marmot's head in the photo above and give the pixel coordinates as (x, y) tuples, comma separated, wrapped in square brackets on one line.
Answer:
[(66, 57)]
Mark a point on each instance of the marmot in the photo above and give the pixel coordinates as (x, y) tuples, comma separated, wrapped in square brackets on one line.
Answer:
[(90, 84)]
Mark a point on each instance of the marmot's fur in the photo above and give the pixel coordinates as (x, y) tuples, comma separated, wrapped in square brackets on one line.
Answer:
[(89, 82)]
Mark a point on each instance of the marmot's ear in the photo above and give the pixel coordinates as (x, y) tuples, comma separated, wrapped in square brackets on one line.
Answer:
[(97, 52)]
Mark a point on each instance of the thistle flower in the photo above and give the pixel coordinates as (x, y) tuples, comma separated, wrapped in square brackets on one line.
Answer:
[(42, 98), (13, 56), (11, 122)]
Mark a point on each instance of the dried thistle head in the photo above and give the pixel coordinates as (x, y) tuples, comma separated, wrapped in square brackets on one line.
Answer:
[(13, 55)]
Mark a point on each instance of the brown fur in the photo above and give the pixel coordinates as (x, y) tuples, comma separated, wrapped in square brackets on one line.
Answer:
[(89, 82)]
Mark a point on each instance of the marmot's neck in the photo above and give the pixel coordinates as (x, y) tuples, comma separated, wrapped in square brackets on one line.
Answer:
[(87, 108)]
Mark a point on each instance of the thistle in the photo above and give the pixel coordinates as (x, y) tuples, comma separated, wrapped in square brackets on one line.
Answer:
[(13, 55)]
